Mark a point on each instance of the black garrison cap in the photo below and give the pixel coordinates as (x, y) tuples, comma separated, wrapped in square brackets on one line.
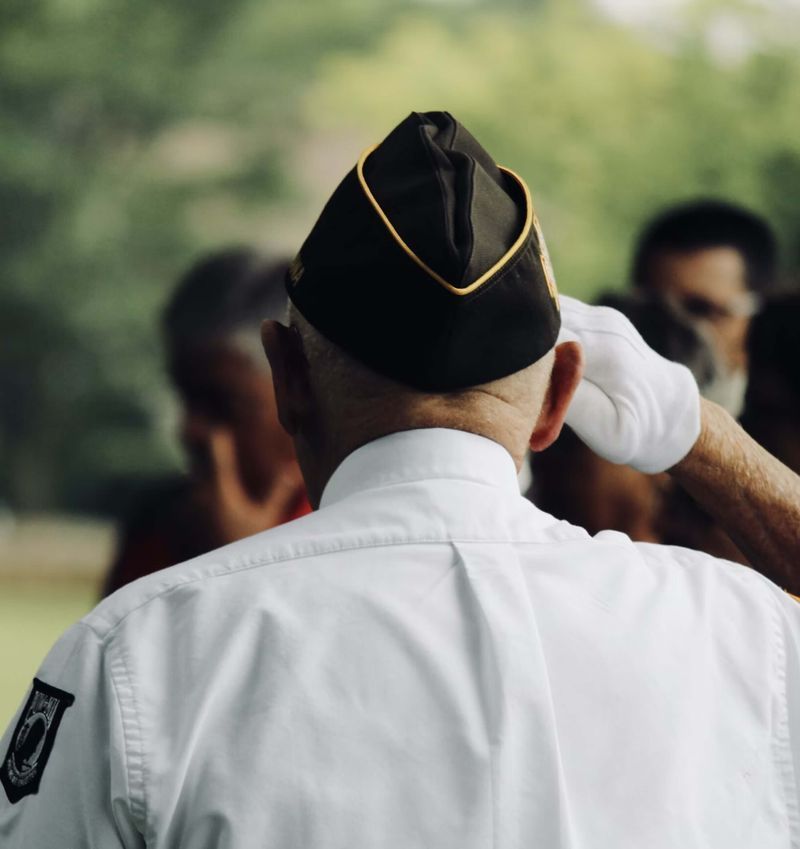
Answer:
[(427, 264)]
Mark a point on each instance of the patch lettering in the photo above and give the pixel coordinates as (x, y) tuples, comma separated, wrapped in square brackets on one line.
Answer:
[(32, 740)]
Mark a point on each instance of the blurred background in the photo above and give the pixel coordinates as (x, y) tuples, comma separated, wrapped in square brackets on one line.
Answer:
[(135, 136)]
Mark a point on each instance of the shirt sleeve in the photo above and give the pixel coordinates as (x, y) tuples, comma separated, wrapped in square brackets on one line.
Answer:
[(63, 772), (787, 720)]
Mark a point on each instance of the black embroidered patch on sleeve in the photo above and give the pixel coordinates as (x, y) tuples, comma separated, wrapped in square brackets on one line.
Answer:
[(33, 740)]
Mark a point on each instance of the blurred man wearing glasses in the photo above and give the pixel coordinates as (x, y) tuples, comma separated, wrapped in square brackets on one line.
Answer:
[(713, 262)]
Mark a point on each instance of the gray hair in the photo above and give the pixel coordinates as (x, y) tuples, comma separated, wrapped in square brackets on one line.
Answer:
[(342, 385)]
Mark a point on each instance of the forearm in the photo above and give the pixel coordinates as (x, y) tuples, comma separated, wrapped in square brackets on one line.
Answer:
[(751, 494)]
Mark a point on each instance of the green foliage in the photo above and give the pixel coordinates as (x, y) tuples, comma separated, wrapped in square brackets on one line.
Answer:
[(605, 127), (42, 613), (135, 134)]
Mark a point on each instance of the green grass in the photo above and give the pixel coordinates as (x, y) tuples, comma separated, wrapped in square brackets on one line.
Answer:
[(32, 617)]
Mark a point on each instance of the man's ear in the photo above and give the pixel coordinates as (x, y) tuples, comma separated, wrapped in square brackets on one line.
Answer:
[(284, 350), (564, 380)]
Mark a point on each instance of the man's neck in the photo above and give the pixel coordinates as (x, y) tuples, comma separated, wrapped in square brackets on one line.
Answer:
[(509, 431)]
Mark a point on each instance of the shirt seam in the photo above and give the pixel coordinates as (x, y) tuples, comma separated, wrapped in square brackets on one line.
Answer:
[(245, 564), (781, 743), (133, 742), (476, 604)]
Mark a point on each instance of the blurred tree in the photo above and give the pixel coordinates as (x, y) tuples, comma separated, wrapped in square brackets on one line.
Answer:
[(132, 135)]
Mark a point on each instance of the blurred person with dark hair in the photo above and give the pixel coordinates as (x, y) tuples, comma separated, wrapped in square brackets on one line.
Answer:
[(772, 402), (242, 473), (700, 271), (714, 261), (771, 416)]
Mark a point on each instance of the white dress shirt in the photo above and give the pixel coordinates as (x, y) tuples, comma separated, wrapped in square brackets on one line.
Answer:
[(426, 661)]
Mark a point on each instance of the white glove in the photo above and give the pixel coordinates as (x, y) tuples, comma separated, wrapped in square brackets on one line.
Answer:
[(632, 405)]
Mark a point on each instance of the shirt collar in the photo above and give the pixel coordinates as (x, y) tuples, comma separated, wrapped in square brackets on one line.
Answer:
[(424, 454)]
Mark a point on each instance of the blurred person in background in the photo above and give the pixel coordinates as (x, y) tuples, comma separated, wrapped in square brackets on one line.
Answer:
[(772, 403), (714, 262), (242, 473), (700, 271), (771, 416)]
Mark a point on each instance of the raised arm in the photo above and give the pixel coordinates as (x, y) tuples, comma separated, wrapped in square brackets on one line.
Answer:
[(753, 496), (635, 407)]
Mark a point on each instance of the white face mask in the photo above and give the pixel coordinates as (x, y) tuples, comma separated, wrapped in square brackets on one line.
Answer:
[(727, 389), (726, 386)]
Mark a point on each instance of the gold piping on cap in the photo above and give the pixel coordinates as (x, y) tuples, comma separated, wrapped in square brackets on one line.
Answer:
[(526, 229)]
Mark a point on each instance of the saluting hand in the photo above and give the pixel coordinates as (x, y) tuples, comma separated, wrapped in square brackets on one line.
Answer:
[(632, 405)]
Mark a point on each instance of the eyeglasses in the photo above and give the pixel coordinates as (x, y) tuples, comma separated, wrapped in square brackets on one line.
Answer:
[(744, 305)]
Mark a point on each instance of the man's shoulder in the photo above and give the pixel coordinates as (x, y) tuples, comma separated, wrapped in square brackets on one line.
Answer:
[(230, 573), (672, 573), (722, 580), (233, 569)]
